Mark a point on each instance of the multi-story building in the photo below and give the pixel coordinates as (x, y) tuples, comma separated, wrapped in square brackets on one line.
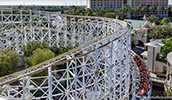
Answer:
[(120, 3), (105, 3), (148, 2), (155, 3)]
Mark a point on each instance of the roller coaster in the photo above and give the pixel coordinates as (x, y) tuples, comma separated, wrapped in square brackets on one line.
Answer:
[(101, 67)]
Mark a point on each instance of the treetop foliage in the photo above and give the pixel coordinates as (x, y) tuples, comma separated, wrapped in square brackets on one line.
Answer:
[(167, 48), (9, 61), (39, 55), (31, 46), (153, 19), (161, 32), (165, 21)]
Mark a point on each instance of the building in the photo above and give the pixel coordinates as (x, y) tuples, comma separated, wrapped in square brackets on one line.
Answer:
[(120, 3), (139, 34), (148, 2), (160, 14), (105, 3), (133, 3), (155, 62)]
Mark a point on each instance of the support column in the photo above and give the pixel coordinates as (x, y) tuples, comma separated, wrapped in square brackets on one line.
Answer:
[(49, 31), (65, 32), (111, 69), (76, 78), (2, 25), (96, 72), (22, 28), (31, 27), (24, 90), (50, 82), (58, 27), (73, 23)]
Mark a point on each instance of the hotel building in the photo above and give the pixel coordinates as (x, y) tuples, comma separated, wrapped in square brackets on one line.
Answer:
[(120, 3), (148, 2), (105, 3)]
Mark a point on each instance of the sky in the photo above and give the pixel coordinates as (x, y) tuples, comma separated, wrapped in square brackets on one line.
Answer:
[(46, 2), (43, 2)]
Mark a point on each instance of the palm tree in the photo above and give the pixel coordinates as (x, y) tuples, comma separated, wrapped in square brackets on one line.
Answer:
[(167, 10), (134, 10), (159, 8), (139, 9), (152, 8), (144, 9), (126, 9)]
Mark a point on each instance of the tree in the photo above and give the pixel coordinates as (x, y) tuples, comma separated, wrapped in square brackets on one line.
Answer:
[(171, 9), (39, 55), (139, 8), (60, 50), (126, 8), (9, 61), (167, 48), (165, 21), (166, 8), (31, 46), (144, 8), (153, 19), (161, 32), (159, 8), (62, 10), (110, 15), (152, 8)]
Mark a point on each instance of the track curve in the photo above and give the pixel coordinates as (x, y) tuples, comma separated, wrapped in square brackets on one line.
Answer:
[(102, 41)]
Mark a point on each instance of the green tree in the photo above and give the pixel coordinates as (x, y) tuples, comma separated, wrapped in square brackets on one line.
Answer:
[(165, 21), (9, 61), (159, 8), (167, 48), (171, 9), (110, 15), (139, 9), (31, 46), (126, 8), (60, 50), (161, 32), (153, 19), (62, 10), (152, 8), (166, 8), (144, 8), (39, 55)]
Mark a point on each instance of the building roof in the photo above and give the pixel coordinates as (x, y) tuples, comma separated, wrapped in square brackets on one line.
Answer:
[(145, 53), (154, 43), (169, 58), (136, 23)]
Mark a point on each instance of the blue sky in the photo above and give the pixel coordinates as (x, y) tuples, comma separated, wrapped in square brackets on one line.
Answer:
[(46, 2)]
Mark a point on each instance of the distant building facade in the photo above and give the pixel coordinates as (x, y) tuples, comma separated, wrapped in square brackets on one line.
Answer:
[(105, 3), (148, 2), (160, 14), (120, 3)]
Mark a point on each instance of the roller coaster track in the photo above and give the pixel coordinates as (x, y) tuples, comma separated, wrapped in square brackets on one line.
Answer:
[(100, 67)]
